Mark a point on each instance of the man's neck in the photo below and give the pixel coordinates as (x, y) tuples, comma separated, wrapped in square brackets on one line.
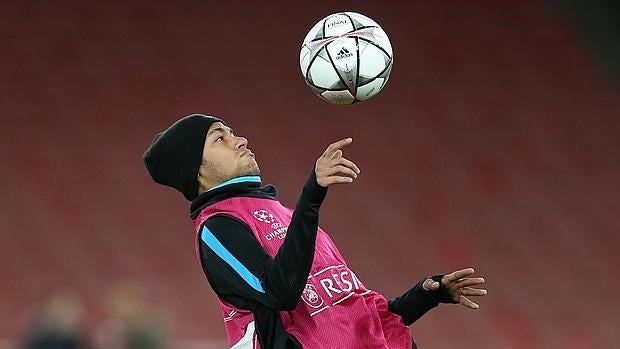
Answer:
[(242, 179)]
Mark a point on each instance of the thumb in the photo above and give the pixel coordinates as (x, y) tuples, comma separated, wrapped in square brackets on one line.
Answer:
[(430, 285)]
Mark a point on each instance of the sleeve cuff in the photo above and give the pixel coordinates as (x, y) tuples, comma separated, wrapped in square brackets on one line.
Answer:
[(313, 192)]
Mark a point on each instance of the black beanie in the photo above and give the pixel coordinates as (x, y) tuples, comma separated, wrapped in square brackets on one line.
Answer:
[(174, 156)]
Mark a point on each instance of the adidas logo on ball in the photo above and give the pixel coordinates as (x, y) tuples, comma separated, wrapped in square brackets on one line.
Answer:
[(343, 53)]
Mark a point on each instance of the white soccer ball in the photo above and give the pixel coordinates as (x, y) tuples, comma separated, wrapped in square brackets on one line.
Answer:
[(346, 58)]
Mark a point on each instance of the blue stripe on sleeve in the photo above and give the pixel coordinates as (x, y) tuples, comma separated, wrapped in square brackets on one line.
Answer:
[(216, 246)]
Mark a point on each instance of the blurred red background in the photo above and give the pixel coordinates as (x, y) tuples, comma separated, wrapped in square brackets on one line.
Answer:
[(494, 145)]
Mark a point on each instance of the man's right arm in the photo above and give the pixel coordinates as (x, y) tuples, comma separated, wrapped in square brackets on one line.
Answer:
[(238, 267), (240, 270)]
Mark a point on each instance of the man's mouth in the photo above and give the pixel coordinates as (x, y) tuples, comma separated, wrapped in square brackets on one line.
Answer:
[(246, 151)]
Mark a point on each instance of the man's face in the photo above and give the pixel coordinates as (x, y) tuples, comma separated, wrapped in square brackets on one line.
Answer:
[(225, 156)]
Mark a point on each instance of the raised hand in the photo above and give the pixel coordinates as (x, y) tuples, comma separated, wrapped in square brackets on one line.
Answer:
[(458, 286), (332, 168)]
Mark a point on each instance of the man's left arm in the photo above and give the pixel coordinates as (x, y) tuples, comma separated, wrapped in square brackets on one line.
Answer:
[(454, 288)]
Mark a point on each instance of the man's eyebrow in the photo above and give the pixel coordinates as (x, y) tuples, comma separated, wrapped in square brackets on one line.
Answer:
[(220, 129)]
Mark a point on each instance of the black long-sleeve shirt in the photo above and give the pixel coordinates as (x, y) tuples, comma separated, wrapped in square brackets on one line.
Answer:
[(283, 277)]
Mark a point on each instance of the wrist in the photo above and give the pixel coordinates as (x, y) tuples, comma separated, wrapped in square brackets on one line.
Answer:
[(314, 193)]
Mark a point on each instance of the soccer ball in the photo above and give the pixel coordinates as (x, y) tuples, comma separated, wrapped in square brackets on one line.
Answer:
[(346, 58)]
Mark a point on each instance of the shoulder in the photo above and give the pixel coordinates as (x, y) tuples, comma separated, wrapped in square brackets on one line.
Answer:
[(227, 229), (225, 222), (225, 236)]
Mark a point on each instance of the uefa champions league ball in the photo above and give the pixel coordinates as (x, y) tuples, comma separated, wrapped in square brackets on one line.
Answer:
[(346, 58)]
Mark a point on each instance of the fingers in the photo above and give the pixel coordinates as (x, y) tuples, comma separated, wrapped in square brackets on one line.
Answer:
[(459, 285), (459, 274), (348, 163), (468, 303), (327, 176), (430, 285), (470, 291), (469, 282), (332, 148), (335, 180), (339, 170), (337, 155), (332, 168), (334, 175)]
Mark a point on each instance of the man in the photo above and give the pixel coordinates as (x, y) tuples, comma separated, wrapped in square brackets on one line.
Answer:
[(280, 279), (58, 323)]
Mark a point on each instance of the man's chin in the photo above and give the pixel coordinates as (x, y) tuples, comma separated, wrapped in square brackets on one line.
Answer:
[(254, 171)]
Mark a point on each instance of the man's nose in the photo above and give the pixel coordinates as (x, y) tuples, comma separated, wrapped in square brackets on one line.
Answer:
[(241, 142)]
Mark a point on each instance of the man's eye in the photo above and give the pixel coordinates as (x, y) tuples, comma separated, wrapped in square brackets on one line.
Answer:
[(219, 139)]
